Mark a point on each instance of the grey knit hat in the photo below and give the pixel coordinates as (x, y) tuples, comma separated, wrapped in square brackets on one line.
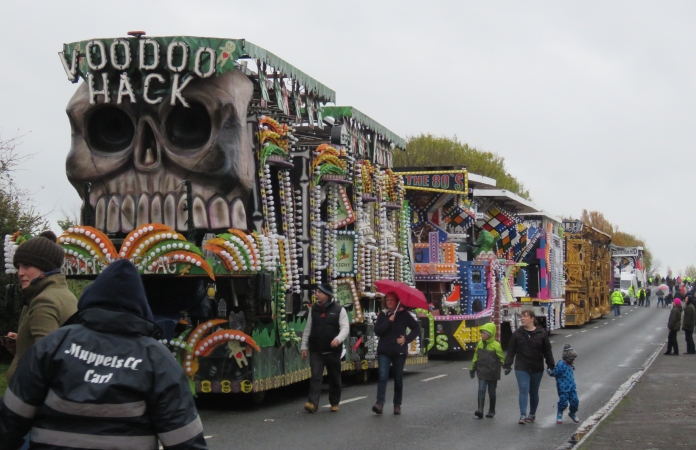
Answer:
[(568, 353), (41, 252)]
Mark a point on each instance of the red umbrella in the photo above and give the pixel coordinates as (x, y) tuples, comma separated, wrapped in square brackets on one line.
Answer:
[(408, 296), (663, 287)]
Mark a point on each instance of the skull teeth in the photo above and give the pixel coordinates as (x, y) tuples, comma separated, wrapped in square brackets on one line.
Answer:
[(117, 213)]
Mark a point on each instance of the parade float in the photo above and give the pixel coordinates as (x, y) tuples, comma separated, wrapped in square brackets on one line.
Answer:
[(588, 272), (529, 254), (628, 270), (218, 170), (458, 290), (538, 277)]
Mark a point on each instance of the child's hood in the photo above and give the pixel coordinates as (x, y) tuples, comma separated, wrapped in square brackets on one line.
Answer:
[(491, 329)]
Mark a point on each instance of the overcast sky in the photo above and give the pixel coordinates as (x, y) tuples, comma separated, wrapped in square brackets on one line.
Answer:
[(591, 103)]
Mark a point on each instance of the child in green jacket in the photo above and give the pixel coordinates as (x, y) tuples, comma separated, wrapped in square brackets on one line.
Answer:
[(487, 363)]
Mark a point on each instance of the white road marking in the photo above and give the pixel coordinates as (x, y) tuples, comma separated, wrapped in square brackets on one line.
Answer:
[(597, 326), (551, 342), (435, 378), (584, 331), (568, 335), (346, 401)]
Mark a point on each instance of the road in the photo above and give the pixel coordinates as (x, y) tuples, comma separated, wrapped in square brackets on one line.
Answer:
[(440, 399)]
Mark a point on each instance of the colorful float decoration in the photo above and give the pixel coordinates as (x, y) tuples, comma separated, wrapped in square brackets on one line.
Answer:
[(235, 189)]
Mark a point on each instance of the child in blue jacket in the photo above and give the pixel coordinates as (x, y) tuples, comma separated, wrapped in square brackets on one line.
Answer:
[(565, 385)]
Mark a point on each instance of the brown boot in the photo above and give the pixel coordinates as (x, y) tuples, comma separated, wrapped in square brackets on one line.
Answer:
[(378, 408), (397, 409)]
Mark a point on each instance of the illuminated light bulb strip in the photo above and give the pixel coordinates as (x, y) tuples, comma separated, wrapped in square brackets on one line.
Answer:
[(207, 345), (94, 242), (362, 277), (139, 241), (10, 249)]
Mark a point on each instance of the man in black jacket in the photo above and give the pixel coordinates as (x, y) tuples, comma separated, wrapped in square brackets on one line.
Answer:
[(102, 381), (326, 329)]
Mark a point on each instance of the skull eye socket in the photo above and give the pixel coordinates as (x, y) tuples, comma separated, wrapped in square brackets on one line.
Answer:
[(109, 129), (189, 127)]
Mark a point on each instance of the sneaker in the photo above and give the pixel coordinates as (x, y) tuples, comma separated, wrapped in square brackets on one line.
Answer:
[(310, 407), (559, 418), (530, 418), (574, 417), (334, 408), (522, 420), (378, 408)]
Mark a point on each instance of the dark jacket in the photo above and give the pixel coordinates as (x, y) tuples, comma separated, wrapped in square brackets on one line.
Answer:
[(103, 380), (388, 332), (529, 349), (689, 317), (674, 322), (325, 327)]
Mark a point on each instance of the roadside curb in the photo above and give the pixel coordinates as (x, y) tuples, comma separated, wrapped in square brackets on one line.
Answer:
[(590, 424)]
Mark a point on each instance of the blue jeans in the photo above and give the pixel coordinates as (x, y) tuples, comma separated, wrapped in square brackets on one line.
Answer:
[(617, 309), (398, 362), (491, 385), (528, 383)]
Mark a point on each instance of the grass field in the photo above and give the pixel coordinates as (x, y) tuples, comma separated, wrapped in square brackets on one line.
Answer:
[(3, 379)]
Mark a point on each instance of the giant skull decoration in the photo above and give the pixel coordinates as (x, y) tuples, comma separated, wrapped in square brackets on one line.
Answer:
[(136, 156)]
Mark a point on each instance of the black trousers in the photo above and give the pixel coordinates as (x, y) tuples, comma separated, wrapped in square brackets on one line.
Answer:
[(689, 336), (672, 342), (332, 362)]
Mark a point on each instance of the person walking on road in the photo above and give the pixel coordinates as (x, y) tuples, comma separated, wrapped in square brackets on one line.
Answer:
[(648, 293), (641, 297), (565, 385), (617, 300), (660, 298), (326, 329), (528, 348), (674, 324), (392, 349), (102, 380), (631, 295), (48, 302), (487, 363), (688, 324)]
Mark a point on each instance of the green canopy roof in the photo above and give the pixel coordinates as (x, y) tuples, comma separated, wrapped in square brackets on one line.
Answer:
[(312, 85), (350, 112)]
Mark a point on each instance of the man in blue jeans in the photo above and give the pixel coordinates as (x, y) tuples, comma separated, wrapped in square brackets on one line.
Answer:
[(528, 348)]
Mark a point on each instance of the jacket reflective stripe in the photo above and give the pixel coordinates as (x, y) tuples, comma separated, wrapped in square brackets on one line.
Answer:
[(134, 409), (182, 434), (92, 441), (17, 406)]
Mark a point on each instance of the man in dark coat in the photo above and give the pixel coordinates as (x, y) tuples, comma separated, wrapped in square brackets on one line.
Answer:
[(326, 329), (102, 381)]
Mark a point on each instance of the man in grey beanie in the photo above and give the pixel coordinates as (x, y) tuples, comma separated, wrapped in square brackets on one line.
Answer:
[(48, 302)]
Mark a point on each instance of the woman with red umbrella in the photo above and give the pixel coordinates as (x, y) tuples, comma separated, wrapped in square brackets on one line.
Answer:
[(393, 347)]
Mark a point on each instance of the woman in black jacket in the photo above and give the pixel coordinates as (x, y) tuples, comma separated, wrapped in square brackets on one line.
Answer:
[(392, 349), (529, 347)]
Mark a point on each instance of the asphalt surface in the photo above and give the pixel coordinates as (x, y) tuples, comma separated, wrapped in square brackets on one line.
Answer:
[(440, 399), (658, 413)]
